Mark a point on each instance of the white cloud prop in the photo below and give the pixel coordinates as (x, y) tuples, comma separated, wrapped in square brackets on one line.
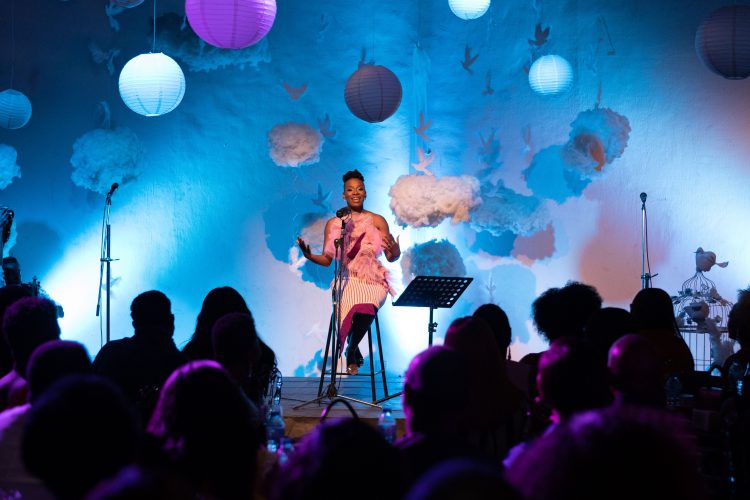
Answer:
[(102, 157), (8, 167), (434, 258), (505, 210), (294, 144), (424, 200), (597, 137)]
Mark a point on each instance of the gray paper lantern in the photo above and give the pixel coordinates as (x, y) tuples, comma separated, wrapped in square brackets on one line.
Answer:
[(723, 42), (373, 93)]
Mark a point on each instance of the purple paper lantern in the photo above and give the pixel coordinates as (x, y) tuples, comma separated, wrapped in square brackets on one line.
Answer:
[(373, 93), (723, 42), (231, 24)]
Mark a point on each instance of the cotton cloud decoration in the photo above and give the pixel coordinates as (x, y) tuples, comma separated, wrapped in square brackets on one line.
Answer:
[(598, 137), (102, 157), (433, 258), (425, 200), (294, 144), (8, 167), (505, 210)]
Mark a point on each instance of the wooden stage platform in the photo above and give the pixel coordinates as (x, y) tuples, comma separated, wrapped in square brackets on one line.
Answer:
[(297, 390)]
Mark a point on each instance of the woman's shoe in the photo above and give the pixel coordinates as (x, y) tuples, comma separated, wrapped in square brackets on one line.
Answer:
[(352, 369)]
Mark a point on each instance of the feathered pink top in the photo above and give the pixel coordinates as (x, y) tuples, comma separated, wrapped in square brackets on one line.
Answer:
[(363, 245)]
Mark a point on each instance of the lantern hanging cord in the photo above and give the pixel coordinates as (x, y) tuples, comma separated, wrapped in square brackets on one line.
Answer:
[(153, 39), (12, 41)]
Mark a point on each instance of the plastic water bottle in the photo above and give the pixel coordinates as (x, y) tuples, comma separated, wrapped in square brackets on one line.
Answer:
[(387, 425), (734, 374), (285, 450), (275, 427), (673, 390)]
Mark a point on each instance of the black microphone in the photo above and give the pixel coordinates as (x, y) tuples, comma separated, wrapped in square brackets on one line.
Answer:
[(643, 197), (343, 212), (113, 189)]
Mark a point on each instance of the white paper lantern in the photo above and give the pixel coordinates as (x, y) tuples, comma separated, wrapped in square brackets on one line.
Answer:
[(551, 75), (152, 84), (469, 9), (15, 109)]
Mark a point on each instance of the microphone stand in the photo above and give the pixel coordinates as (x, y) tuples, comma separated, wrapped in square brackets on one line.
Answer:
[(105, 258), (645, 275)]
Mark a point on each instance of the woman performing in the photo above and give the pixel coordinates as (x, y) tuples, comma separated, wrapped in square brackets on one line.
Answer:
[(364, 279)]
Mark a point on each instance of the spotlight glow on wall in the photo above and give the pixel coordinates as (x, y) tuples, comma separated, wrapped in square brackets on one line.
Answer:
[(723, 42), (469, 9), (15, 109), (373, 93), (551, 75), (152, 84), (231, 24)]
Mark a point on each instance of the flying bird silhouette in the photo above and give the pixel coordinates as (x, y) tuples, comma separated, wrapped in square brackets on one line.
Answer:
[(540, 36), (469, 60), (295, 92), (488, 90), (324, 126), (421, 131), (322, 199), (424, 161)]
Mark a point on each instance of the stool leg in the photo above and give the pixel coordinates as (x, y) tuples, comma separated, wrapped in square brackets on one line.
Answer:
[(372, 364), (325, 357), (380, 354)]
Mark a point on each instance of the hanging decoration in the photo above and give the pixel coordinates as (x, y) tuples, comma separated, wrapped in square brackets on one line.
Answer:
[(15, 109), (550, 75), (127, 4), (723, 42), (152, 84), (231, 24), (373, 93), (469, 9)]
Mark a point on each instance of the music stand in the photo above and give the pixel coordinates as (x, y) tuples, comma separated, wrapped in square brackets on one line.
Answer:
[(434, 292)]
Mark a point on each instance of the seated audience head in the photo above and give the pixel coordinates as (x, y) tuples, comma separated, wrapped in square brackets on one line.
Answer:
[(636, 372), (618, 453), (79, 432), (460, 479), (652, 309), (205, 425), (338, 460), (569, 380), (739, 320), (11, 271), (8, 295), (606, 326), (54, 360), (152, 315), (498, 323), (436, 392), (235, 344), (218, 302), (28, 323), (565, 311)]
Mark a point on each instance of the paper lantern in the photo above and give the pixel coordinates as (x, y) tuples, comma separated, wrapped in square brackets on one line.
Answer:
[(373, 93), (550, 75), (723, 42), (469, 9), (15, 109), (152, 84), (231, 24)]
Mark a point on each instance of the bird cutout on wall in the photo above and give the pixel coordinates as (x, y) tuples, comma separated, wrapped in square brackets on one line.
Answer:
[(423, 161), (704, 261), (540, 36), (469, 60), (604, 33), (112, 10), (323, 26), (103, 116), (490, 147), (295, 92), (324, 126), (321, 200), (490, 286), (528, 145), (421, 131), (363, 56), (488, 90), (104, 57)]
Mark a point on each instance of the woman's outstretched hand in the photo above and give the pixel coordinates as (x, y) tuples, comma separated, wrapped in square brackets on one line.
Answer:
[(304, 247), (391, 247)]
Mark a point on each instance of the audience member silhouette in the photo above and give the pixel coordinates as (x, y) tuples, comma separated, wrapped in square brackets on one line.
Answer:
[(606, 326), (494, 406), (27, 324), (463, 479), (498, 322), (207, 431), (49, 363), (136, 483), (140, 364), (636, 372), (738, 326), (8, 295), (218, 302), (435, 397), (653, 314), (618, 453), (339, 461), (79, 432)]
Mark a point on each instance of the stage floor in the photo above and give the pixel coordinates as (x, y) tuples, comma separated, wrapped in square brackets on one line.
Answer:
[(300, 421)]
